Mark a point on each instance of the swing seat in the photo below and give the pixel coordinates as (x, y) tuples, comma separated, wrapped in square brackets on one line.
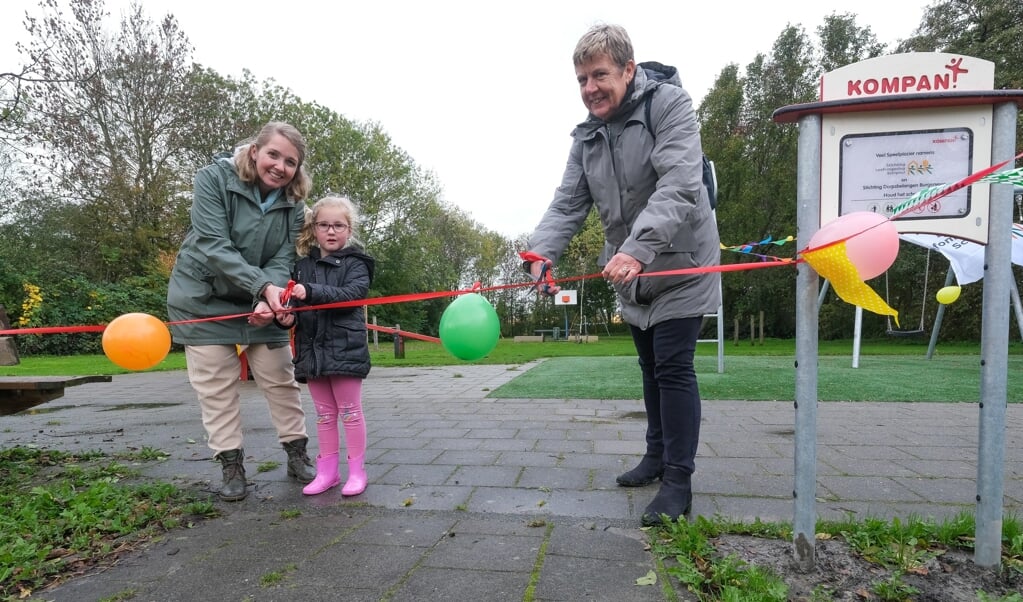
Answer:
[(906, 334)]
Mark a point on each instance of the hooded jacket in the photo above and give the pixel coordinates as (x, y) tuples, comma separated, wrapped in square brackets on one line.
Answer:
[(648, 190), (331, 342), (231, 251)]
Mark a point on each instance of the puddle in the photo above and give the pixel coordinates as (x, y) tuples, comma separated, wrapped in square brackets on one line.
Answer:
[(38, 411), (139, 406)]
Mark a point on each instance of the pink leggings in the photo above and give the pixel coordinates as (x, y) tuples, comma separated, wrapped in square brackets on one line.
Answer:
[(339, 396)]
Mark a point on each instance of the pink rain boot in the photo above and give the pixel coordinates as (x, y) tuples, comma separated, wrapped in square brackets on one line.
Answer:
[(327, 475), (356, 482)]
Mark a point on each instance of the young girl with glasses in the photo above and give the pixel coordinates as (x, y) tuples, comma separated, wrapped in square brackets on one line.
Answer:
[(331, 348)]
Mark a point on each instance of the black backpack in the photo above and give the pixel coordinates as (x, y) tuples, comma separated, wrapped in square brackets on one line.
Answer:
[(710, 179)]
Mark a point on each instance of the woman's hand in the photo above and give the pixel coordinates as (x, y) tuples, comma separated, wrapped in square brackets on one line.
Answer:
[(537, 272), (622, 269), (261, 314), (272, 297)]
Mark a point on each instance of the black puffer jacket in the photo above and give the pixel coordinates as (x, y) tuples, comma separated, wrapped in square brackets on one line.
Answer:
[(332, 341)]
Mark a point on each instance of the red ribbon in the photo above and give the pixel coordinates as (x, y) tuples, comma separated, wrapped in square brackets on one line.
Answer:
[(476, 288)]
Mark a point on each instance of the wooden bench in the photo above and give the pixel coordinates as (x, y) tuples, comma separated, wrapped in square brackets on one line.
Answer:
[(18, 393)]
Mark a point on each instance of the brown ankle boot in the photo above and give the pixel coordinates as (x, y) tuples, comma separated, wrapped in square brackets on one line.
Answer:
[(300, 467), (233, 487)]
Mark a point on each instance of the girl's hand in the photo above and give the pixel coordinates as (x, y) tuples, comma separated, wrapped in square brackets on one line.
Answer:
[(299, 292), (286, 320)]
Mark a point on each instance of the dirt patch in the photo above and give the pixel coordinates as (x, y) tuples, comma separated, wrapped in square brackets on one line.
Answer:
[(842, 574)]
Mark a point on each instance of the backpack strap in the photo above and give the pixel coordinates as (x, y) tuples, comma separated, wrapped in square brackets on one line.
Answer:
[(647, 100), (710, 180)]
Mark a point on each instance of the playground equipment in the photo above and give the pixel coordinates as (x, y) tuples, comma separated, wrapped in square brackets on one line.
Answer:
[(882, 130)]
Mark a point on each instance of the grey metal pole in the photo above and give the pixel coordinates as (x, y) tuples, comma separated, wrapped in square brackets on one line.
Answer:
[(808, 197), (994, 349), (949, 277), (1016, 306)]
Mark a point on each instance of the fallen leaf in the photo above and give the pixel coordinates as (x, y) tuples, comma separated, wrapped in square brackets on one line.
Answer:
[(649, 579)]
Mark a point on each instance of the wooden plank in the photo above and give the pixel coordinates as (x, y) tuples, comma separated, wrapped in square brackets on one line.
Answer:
[(19, 393)]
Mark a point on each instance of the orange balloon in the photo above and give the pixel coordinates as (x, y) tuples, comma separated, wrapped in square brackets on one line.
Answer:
[(136, 341)]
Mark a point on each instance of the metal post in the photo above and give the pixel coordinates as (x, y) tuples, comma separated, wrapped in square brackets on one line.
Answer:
[(994, 348), (808, 186), (1017, 307), (857, 333), (949, 277)]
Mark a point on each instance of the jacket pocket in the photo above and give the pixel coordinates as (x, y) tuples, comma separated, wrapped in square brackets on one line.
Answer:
[(649, 288), (195, 280)]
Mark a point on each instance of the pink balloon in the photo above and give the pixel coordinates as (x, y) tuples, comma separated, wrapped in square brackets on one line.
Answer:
[(873, 245)]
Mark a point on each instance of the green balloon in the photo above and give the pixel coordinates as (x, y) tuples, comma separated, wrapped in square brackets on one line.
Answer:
[(469, 327)]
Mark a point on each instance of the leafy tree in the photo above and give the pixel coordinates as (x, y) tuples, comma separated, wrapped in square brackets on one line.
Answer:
[(990, 30), (598, 302), (842, 42), (987, 29), (755, 157), (105, 114)]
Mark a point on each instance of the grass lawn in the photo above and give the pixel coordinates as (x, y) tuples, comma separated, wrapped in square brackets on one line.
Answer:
[(889, 370)]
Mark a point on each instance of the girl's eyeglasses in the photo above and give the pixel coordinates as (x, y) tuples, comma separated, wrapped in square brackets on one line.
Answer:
[(326, 227)]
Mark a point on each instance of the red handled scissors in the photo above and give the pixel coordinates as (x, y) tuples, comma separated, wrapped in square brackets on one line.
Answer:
[(286, 295)]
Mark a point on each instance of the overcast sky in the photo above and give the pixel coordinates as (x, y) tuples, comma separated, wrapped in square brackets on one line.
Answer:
[(481, 94)]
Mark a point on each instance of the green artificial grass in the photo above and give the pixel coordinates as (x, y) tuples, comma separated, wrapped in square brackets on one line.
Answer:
[(771, 378), (889, 369)]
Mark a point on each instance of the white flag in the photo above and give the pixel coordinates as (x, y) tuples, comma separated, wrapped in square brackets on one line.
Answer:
[(966, 257)]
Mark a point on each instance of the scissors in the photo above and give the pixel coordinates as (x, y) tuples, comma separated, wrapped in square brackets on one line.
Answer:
[(286, 295), (545, 271)]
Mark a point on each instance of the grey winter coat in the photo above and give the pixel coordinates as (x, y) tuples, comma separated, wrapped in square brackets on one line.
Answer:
[(231, 251), (647, 187), (332, 341)]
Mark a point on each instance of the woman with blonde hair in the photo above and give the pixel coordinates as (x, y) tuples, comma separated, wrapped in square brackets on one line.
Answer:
[(247, 210)]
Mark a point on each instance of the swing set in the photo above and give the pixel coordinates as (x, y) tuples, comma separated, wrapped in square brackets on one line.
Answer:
[(920, 330)]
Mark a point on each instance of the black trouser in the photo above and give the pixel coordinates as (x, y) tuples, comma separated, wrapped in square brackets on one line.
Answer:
[(670, 392)]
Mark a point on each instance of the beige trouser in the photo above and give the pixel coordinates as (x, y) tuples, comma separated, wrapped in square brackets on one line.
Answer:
[(214, 372)]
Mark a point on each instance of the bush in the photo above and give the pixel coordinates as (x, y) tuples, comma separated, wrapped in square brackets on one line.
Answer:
[(78, 302)]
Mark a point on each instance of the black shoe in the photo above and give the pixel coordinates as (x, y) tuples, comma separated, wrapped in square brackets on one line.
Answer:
[(649, 469), (233, 489), (674, 499)]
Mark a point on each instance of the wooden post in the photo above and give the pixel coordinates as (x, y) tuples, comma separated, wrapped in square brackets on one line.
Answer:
[(376, 335), (399, 343), (8, 350)]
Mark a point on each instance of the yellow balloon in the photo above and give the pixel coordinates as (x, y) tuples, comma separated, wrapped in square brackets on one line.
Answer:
[(948, 294)]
